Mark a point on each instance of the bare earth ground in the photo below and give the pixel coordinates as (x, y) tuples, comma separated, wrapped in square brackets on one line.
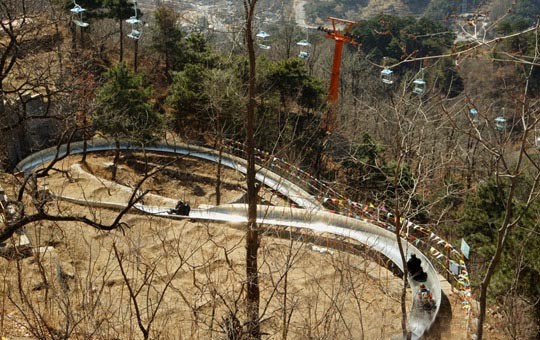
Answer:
[(186, 277)]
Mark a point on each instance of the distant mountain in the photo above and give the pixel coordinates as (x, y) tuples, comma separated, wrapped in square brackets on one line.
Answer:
[(440, 10)]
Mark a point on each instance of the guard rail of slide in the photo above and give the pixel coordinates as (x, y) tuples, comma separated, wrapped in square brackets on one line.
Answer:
[(314, 218)]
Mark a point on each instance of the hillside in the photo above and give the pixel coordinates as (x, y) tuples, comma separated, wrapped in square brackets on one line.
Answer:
[(427, 130)]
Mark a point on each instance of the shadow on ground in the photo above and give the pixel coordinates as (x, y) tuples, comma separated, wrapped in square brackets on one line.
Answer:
[(443, 322)]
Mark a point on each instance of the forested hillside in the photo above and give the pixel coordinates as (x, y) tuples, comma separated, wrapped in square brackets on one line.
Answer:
[(437, 120), (438, 10)]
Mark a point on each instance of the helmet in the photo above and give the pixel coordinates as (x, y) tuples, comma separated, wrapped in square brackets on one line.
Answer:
[(422, 286)]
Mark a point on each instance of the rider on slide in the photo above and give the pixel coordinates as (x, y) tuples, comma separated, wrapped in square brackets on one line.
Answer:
[(414, 267), (181, 209), (425, 298)]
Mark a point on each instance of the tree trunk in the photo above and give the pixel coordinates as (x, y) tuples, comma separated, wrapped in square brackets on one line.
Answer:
[(81, 38), (501, 240), (252, 237), (121, 40), (135, 55), (116, 159), (535, 278), (219, 146), (404, 326), (402, 254), (167, 65), (85, 148), (502, 235), (2, 108), (85, 144), (85, 137), (285, 316), (73, 30), (218, 176), (321, 144)]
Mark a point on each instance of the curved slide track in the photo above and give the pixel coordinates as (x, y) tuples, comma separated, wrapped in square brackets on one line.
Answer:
[(312, 216)]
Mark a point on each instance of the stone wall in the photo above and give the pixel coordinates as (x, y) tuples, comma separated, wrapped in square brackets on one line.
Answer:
[(33, 133)]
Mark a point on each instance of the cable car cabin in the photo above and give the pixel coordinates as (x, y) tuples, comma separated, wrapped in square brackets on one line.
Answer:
[(303, 55), (135, 34), (262, 35), (419, 86), (77, 13), (419, 83), (133, 21), (262, 38), (80, 23), (303, 43), (77, 10), (386, 76), (500, 124), (473, 114)]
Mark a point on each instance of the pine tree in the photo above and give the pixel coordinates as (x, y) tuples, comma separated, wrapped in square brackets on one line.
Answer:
[(124, 111)]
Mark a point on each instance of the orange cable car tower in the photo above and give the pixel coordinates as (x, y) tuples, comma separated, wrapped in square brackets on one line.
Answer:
[(328, 120)]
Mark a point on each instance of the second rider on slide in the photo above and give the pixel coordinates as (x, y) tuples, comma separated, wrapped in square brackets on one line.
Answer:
[(414, 267)]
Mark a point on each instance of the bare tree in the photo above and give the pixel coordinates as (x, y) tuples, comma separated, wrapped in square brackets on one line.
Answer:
[(509, 172), (252, 233), (146, 293), (224, 101)]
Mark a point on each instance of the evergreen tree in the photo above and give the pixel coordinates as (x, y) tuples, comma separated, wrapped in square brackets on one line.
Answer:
[(291, 81), (124, 111), (166, 35), (175, 47), (483, 214), (448, 79), (124, 108), (187, 97)]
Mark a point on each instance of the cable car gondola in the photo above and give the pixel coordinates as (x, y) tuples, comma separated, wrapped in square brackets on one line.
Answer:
[(473, 114), (500, 123), (135, 24), (77, 15), (386, 76), (420, 84), (262, 38), (303, 53)]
